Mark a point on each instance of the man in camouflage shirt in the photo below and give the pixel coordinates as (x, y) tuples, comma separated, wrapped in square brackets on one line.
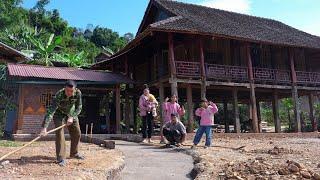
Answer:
[(66, 107)]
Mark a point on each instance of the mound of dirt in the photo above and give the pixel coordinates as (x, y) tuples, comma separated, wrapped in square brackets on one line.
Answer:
[(260, 168)]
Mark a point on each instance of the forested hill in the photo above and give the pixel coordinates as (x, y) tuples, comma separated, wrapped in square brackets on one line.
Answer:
[(47, 38)]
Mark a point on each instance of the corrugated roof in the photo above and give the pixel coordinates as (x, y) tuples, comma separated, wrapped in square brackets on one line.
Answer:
[(58, 73)]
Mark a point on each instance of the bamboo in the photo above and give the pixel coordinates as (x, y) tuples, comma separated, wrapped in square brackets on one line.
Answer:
[(35, 139)]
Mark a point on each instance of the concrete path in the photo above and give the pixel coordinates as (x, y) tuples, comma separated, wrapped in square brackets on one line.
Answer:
[(145, 162)]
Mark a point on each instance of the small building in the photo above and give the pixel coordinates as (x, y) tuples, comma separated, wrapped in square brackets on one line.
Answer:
[(196, 52), (34, 87), (11, 55)]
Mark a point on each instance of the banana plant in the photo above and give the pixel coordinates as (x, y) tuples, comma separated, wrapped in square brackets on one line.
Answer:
[(43, 52), (73, 60)]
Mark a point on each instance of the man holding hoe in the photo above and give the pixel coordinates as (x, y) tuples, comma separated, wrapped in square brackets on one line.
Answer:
[(66, 107)]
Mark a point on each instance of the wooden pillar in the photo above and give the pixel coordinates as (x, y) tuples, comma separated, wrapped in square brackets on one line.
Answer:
[(202, 70), (135, 104), (19, 122), (173, 82), (190, 108), (161, 100), (295, 95), (252, 92), (236, 111), (312, 113), (225, 112), (259, 116), (275, 107), (118, 109), (127, 113), (171, 55)]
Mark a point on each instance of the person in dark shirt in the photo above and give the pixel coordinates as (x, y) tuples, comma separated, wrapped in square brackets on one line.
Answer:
[(174, 131)]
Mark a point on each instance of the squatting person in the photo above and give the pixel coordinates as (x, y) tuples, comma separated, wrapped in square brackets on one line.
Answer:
[(206, 112), (66, 107), (174, 131), (169, 108)]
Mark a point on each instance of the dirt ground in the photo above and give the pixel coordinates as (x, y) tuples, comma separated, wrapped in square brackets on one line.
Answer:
[(39, 162), (292, 156)]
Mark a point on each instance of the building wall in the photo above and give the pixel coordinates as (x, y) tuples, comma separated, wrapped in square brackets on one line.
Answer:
[(34, 100)]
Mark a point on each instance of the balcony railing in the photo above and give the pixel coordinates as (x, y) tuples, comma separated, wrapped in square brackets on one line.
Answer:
[(188, 69), (271, 75), (222, 72), (308, 77)]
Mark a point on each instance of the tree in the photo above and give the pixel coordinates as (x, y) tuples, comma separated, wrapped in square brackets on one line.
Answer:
[(10, 13), (107, 38), (128, 37)]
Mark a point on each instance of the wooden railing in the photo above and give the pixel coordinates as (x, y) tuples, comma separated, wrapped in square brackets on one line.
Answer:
[(308, 77), (215, 71), (271, 75), (188, 69)]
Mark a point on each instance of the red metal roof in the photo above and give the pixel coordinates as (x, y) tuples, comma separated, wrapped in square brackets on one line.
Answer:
[(61, 73)]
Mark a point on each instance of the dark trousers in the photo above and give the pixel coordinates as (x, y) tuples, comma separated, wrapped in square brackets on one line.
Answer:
[(147, 125), (173, 136), (74, 132)]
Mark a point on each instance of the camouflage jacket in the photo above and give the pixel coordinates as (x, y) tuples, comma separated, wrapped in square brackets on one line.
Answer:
[(64, 106)]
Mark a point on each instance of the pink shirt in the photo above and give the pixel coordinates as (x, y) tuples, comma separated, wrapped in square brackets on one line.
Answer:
[(171, 108), (207, 115), (143, 105), (146, 106)]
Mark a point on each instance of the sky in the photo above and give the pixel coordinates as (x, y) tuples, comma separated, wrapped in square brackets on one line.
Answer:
[(125, 15)]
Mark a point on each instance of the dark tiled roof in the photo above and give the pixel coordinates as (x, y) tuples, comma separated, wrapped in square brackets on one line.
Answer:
[(200, 19), (58, 73)]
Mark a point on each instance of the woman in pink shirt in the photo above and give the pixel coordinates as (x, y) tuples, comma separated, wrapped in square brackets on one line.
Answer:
[(206, 112), (147, 114), (169, 108)]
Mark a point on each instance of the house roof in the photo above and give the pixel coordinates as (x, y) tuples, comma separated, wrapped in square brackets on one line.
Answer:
[(58, 73), (10, 52), (196, 19), (201, 19)]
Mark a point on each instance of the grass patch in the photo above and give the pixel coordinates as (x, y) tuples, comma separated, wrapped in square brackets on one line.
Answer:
[(5, 143)]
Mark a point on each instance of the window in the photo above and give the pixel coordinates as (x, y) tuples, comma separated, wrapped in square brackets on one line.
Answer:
[(46, 98)]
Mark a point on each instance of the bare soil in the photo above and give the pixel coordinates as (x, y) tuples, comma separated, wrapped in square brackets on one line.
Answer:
[(264, 156), (39, 162)]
